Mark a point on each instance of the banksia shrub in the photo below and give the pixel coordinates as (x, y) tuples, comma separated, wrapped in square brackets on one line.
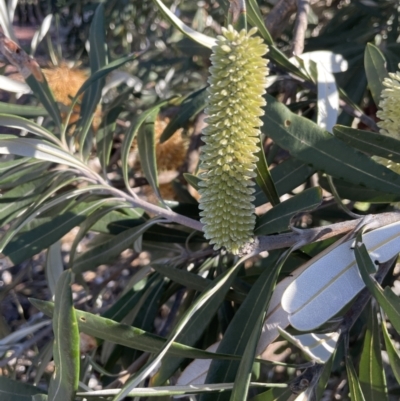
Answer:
[(237, 84)]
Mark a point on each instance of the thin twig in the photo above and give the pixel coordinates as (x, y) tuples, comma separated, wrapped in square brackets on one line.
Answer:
[(26, 345), (316, 234), (300, 27)]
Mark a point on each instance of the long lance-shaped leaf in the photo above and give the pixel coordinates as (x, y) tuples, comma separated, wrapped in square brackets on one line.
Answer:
[(203, 298), (98, 59), (13, 390), (65, 380), (356, 393), (309, 143), (22, 110), (147, 151), (37, 211), (375, 69), (255, 306), (278, 218), (175, 390), (393, 353), (264, 178), (43, 232), (109, 250), (198, 37), (130, 136), (133, 337), (369, 142), (371, 372), (39, 149), (386, 298), (7, 120)]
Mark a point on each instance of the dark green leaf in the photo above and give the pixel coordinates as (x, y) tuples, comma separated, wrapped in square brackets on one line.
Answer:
[(193, 330), (242, 336), (375, 68), (130, 136), (44, 231), (311, 144), (147, 151), (264, 179), (278, 218), (393, 353), (256, 19), (256, 303), (354, 384), (43, 93), (22, 110), (108, 330), (370, 142), (190, 107), (386, 298), (274, 394), (12, 390), (357, 193), (64, 382), (371, 373), (109, 250), (98, 59)]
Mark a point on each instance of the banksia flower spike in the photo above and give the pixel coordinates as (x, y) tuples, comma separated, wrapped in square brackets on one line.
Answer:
[(227, 160), (390, 115)]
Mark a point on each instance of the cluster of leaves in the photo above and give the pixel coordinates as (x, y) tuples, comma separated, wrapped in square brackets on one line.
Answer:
[(51, 182)]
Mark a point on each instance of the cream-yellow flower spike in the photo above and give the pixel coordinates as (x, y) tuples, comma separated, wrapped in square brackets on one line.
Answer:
[(237, 83), (390, 114)]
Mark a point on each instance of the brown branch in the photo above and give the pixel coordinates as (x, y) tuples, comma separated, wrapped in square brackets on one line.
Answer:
[(278, 17), (300, 27)]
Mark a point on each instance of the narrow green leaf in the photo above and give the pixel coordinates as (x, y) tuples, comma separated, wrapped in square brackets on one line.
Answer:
[(371, 372), (39, 397), (375, 68), (130, 136), (198, 37), (17, 199), (287, 176), (7, 120), (22, 110), (192, 180), (64, 382), (171, 391), (109, 250), (264, 178), (147, 151), (356, 393), (205, 297), (54, 266), (190, 107), (194, 329), (347, 190), (386, 298), (255, 18), (97, 59), (274, 394), (12, 390), (251, 316), (191, 280), (133, 337), (369, 142), (311, 144), (105, 134), (393, 353), (278, 218), (44, 231), (43, 93)]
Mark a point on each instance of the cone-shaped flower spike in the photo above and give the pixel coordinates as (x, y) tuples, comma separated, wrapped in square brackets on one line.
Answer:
[(390, 115), (237, 84)]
